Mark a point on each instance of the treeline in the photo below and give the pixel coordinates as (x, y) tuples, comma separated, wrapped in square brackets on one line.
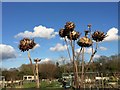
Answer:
[(106, 64), (52, 70), (47, 70)]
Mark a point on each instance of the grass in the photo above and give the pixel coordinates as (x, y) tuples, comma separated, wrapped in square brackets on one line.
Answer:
[(43, 84), (29, 85), (53, 84)]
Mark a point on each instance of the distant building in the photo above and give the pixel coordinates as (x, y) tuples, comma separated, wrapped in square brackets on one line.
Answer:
[(67, 76), (28, 77)]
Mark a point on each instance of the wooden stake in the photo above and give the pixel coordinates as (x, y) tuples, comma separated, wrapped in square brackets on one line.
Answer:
[(36, 69)]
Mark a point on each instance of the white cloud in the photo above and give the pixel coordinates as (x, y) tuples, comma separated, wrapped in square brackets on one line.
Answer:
[(39, 31), (36, 46), (20, 55), (7, 52), (96, 56), (46, 60), (86, 50), (102, 48), (58, 47), (89, 50), (112, 34)]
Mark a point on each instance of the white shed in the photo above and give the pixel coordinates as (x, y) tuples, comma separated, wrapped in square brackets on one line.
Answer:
[(28, 77)]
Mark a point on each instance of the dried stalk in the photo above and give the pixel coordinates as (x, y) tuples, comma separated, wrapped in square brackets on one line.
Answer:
[(91, 38), (72, 60), (68, 49), (32, 66), (91, 58), (78, 56), (82, 75), (74, 63), (76, 67)]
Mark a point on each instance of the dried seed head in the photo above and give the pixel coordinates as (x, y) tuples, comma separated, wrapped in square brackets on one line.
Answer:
[(62, 33), (69, 26), (26, 44), (89, 25), (98, 36), (73, 35), (84, 42)]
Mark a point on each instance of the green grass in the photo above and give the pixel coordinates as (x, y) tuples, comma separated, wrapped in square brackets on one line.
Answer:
[(43, 84), (29, 85), (52, 84)]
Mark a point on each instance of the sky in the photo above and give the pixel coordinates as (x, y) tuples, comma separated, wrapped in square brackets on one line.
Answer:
[(60, 1), (42, 21)]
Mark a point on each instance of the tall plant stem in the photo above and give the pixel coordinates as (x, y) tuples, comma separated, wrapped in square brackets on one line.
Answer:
[(68, 49), (32, 66), (91, 58), (91, 38), (75, 70), (73, 61), (76, 66), (79, 53), (82, 75)]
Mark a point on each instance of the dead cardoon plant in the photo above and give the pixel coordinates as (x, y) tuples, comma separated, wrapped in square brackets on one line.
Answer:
[(98, 36), (62, 33), (25, 45), (73, 35), (69, 26), (84, 42), (69, 33)]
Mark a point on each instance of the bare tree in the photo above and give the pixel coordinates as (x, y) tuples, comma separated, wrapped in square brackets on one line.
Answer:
[(48, 70)]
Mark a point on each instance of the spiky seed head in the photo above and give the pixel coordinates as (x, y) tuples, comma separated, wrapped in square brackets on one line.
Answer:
[(26, 44), (73, 35), (89, 25), (98, 36), (84, 42), (69, 26), (62, 33)]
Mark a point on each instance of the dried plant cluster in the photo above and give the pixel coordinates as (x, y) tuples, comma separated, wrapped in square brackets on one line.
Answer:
[(98, 36), (26, 44), (69, 31), (84, 42), (69, 26)]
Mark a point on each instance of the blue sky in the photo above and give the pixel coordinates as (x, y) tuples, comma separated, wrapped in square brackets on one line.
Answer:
[(20, 17)]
